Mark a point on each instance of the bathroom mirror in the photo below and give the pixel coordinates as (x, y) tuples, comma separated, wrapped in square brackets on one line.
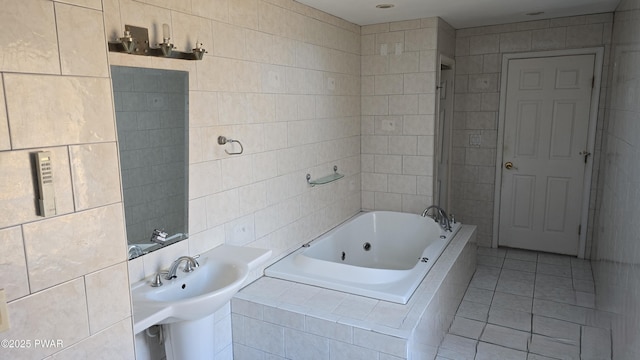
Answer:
[(152, 124)]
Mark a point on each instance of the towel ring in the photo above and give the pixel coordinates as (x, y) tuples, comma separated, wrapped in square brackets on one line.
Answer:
[(222, 140)]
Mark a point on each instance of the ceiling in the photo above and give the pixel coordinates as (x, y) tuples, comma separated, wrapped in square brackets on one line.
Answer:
[(459, 13)]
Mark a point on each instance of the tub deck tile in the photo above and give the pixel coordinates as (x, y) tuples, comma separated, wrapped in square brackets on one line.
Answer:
[(352, 324)]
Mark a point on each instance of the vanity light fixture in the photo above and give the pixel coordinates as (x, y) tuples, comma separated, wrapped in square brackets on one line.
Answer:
[(136, 42)]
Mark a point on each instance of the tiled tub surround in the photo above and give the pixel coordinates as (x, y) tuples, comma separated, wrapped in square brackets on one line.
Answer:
[(278, 319)]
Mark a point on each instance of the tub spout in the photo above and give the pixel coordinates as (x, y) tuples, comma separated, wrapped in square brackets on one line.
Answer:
[(439, 216)]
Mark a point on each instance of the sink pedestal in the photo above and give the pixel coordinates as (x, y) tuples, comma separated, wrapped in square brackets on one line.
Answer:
[(191, 340)]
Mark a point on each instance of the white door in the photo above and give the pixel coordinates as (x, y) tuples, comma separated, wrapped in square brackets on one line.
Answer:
[(443, 145), (544, 153)]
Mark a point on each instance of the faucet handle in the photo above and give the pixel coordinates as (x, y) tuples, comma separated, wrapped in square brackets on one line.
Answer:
[(157, 282), (191, 266)]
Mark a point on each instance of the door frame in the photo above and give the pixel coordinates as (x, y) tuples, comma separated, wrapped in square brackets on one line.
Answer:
[(591, 137), (450, 62)]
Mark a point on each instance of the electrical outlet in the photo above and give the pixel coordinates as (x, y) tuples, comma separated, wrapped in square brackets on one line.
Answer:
[(4, 314)]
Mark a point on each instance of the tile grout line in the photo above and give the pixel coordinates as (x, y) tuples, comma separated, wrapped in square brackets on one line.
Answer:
[(533, 297)]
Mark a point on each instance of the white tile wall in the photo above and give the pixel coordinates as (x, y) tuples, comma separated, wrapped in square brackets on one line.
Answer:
[(82, 52), (37, 48), (45, 260), (54, 246), (14, 265), (94, 166), (115, 342), (289, 93), (398, 106), (59, 312), (479, 54), (616, 252), (62, 107), (5, 143), (107, 297), (68, 257)]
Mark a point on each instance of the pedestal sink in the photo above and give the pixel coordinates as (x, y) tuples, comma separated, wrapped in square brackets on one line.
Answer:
[(185, 305)]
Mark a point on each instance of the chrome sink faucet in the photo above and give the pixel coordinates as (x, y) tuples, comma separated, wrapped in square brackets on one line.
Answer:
[(440, 216), (190, 266)]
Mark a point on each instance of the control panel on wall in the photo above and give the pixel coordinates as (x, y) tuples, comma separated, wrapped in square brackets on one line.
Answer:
[(47, 200)]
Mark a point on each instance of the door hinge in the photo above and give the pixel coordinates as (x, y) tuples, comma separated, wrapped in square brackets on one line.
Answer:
[(593, 82), (579, 229)]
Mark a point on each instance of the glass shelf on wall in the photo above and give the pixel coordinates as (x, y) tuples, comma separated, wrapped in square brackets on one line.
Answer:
[(325, 179)]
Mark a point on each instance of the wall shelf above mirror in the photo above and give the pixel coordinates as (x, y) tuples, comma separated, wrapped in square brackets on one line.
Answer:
[(152, 126)]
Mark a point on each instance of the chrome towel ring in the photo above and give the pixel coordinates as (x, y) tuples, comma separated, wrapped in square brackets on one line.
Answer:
[(222, 140)]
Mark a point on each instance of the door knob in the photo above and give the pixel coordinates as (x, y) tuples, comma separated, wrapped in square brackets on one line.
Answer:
[(509, 165)]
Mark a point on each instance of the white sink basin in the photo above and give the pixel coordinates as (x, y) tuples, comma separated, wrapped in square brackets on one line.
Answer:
[(197, 294)]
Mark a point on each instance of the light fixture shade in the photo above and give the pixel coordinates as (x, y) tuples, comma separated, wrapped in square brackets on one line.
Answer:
[(128, 42), (166, 49), (199, 51)]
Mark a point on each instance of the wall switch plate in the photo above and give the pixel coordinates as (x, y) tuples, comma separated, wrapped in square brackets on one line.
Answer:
[(475, 139), (398, 48), (383, 49), (4, 313)]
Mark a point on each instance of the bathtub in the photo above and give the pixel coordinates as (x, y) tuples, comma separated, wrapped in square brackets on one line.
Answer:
[(379, 254)]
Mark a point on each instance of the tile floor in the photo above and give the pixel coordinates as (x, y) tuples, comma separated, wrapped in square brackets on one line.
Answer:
[(526, 305)]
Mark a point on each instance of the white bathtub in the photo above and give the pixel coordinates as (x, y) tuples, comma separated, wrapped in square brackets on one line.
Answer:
[(380, 254)]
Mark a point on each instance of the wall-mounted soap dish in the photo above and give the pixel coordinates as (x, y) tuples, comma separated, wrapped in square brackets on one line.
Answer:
[(325, 179)]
